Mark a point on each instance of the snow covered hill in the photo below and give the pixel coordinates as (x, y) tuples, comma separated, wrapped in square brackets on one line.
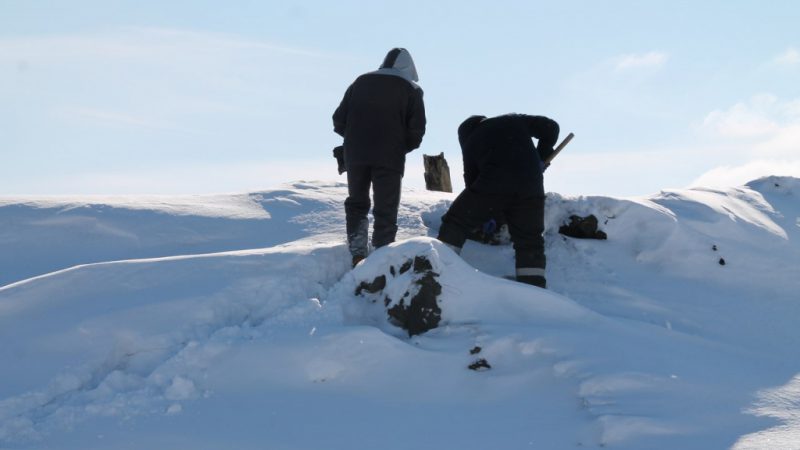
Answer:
[(233, 321)]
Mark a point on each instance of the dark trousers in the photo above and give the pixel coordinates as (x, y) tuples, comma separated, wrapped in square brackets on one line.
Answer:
[(386, 185), (525, 217)]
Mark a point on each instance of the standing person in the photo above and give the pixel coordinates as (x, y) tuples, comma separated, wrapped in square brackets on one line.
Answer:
[(381, 117), (503, 176)]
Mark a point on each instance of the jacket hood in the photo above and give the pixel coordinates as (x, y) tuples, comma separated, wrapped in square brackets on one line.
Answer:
[(398, 62)]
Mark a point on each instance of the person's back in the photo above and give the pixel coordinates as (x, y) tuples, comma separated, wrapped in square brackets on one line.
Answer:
[(377, 111), (500, 151)]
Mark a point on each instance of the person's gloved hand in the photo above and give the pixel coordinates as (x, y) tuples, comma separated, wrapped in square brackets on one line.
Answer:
[(543, 166), (489, 227), (338, 153)]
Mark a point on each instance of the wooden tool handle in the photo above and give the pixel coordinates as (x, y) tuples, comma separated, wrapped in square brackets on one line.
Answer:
[(558, 149)]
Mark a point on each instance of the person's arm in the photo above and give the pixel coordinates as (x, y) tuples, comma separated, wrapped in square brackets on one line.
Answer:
[(340, 115), (545, 130), (471, 167), (471, 170), (415, 121)]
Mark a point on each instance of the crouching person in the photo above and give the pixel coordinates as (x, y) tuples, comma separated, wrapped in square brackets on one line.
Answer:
[(503, 177)]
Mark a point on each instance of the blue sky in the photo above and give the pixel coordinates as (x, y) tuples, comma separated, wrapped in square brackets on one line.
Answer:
[(128, 97)]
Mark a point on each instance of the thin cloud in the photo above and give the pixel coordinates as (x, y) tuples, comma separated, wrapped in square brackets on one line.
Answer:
[(223, 40), (784, 143), (790, 57), (167, 80), (729, 176), (739, 122), (762, 115), (772, 124), (134, 43), (228, 177), (636, 61), (119, 119)]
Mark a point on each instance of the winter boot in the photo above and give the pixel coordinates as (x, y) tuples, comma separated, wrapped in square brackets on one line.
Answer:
[(357, 259), (535, 280)]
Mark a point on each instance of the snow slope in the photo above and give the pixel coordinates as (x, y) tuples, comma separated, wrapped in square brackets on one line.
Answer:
[(232, 322)]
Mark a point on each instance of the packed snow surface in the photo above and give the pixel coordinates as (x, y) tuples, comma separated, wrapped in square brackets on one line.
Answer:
[(232, 321)]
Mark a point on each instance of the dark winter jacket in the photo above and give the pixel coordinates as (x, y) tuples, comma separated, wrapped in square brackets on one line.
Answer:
[(382, 114), (499, 155)]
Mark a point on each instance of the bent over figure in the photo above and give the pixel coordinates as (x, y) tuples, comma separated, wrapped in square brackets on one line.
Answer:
[(503, 178), (381, 117)]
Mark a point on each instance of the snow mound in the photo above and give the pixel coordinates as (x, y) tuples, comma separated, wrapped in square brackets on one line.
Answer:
[(42, 235), (467, 295)]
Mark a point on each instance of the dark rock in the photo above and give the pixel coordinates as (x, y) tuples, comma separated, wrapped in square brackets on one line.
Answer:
[(475, 350), (582, 228), (375, 286), (392, 271), (415, 314), (398, 314), (722, 261), (480, 364), (421, 264), (714, 247), (422, 313)]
